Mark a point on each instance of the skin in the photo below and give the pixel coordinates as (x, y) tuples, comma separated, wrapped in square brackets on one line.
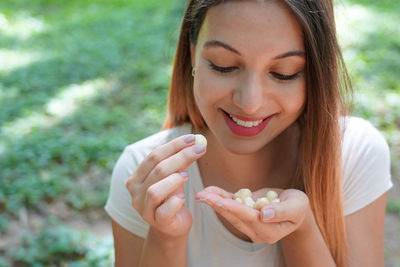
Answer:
[(250, 90)]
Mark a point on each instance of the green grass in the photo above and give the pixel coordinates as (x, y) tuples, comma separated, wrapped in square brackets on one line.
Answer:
[(80, 79), (393, 206), (372, 55), (112, 60), (57, 245)]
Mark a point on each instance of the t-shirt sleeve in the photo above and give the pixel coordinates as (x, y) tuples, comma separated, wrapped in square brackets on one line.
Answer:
[(366, 165), (119, 204)]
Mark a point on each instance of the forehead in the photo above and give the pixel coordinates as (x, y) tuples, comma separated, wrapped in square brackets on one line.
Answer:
[(253, 25)]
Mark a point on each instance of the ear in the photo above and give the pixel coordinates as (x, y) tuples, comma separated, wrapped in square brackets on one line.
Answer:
[(193, 54)]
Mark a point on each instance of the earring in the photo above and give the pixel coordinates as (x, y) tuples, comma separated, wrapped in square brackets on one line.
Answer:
[(193, 72)]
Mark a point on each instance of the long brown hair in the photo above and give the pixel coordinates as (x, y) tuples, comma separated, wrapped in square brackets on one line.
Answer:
[(319, 170)]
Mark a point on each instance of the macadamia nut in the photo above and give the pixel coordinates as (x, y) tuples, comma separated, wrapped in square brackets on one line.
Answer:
[(242, 193), (200, 139), (249, 202), (244, 196), (238, 199), (271, 195), (261, 202)]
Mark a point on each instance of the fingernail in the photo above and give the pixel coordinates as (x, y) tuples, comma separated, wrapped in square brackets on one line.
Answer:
[(268, 214), (181, 195), (184, 174), (189, 138), (199, 148)]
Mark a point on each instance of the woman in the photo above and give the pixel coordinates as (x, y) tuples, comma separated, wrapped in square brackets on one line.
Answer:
[(263, 82)]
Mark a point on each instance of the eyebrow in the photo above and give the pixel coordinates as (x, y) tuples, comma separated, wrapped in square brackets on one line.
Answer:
[(215, 43), (293, 53)]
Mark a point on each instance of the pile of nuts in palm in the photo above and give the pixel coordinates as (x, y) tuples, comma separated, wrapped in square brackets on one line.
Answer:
[(244, 196)]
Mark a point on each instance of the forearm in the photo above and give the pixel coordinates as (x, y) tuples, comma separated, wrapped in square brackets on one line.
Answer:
[(306, 246), (160, 250)]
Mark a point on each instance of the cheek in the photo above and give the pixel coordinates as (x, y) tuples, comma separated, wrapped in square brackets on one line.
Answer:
[(293, 99), (209, 90)]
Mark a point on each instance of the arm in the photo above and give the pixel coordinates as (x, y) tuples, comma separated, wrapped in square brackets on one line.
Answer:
[(306, 246), (156, 250), (127, 246), (162, 250), (156, 189), (292, 222), (365, 234)]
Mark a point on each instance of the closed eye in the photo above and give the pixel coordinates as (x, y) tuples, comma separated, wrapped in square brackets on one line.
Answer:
[(286, 77), (274, 74), (221, 69)]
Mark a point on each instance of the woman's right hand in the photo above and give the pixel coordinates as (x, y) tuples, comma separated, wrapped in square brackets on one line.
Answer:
[(156, 186)]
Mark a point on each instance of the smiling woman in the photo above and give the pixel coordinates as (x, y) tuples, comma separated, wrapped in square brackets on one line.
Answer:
[(261, 80), (238, 82)]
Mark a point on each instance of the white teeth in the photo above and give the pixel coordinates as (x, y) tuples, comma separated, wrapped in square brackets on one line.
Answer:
[(246, 124)]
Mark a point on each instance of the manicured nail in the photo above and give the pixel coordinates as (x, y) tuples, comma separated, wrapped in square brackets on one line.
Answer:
[(184, 174), (200, 148), (268, 214), (181, 195), (189, 138)]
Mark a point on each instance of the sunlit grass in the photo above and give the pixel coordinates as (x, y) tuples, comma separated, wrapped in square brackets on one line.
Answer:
[(21, 25), (370, 39), (11, 60), (371, 45), (96, 80), (64, 104)]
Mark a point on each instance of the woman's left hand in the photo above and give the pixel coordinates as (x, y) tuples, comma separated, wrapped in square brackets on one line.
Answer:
[(271, 224)]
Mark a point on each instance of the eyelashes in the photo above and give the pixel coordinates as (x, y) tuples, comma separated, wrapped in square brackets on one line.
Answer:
[(285, 77), (225, 70), (221, 69)]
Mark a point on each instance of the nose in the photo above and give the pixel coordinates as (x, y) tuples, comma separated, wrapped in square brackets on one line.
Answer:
[(249, 96)]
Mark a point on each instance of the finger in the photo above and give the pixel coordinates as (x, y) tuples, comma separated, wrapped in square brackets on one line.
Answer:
[(168, 210), (223, 207), (157, 193), (159, 154), (249, 221), (236, 222), (175, 163), (214, 189), (291, 209), (244, 213)]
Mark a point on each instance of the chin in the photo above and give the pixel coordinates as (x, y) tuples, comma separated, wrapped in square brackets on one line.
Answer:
[(244, 147)]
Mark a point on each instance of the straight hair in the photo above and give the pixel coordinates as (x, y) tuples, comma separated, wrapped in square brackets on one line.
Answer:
[(319, 166)]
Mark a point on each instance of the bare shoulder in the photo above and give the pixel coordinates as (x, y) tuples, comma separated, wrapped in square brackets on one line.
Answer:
[(365, 234), (128, 246)]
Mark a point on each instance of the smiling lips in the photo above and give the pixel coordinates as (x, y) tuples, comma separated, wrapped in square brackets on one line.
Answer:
[(245, 127), (247, 123)]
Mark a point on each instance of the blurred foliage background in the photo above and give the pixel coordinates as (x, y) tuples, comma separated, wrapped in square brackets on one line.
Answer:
[(81, 79)]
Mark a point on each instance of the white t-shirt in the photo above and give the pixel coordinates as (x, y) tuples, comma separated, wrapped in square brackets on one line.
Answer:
[(366, 176)]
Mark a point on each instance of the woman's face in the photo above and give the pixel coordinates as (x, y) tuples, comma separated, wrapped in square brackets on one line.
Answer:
[(249, 83)]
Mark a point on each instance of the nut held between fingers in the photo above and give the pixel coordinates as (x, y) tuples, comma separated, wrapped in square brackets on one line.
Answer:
[(200, 139)]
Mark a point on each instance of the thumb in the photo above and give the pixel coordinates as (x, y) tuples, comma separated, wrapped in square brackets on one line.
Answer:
[(292, 209)]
